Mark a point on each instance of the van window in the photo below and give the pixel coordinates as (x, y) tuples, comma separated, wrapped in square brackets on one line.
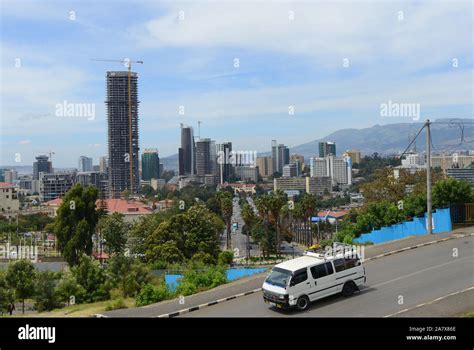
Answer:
[(318, 271), (352, 261), (339, 265), (299, 276), (329, 268)]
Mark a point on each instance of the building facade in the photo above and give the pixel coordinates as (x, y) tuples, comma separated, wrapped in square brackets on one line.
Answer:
[(53, 186), (313, 185), (339, 169), (123, 147), (188, 150), (150, 165), (9, 200), (326, 148), (355, 155), (265, 166), (84, 164), (42, 165)]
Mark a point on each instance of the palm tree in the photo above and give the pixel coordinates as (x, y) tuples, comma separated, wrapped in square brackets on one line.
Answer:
[(226, 205), (262, 206), (275, 202), (308, 202)]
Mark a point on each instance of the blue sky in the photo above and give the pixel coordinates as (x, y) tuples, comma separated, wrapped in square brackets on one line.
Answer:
[(289, 53)]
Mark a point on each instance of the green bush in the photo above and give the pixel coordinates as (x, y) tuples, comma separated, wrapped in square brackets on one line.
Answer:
[(197, 280), (225, 258), (150, 294), (116, 304)]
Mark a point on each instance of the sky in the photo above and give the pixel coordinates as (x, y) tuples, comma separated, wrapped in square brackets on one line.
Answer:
[(250, 71)]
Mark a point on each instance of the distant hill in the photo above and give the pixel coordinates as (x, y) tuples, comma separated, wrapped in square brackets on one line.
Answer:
[(394, 138), (384, 139)]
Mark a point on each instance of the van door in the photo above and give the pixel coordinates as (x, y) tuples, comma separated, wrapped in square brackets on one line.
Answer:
[(323, 276), (300, 284)]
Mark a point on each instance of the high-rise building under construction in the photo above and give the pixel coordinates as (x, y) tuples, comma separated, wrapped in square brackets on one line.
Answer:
[(123, 147)]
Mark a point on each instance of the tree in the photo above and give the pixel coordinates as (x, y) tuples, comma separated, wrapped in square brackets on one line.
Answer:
[(75, 223), (127, 274), (276, 200), (225, 200), (451, 191), (20, 277), (248, 215), (45, 296), (91, 277), (183, 235), (308, 205), (141, 230), (114, 230), (6, 294), (68, 290)]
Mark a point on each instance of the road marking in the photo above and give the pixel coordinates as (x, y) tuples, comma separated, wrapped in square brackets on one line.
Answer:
[(430, 302), (421, 271)]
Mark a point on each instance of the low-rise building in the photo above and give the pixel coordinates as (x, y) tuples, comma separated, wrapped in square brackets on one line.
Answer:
[(313, 185), (9, 200)]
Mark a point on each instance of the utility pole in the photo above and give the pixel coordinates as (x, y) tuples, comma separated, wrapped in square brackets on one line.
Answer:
[(429, 225)]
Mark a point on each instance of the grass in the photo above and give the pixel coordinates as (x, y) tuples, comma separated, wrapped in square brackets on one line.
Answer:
[(469, 314), (82, 310)]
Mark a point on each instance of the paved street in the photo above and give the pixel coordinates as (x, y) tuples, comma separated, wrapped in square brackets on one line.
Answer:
[(239, 240), (418, 276)]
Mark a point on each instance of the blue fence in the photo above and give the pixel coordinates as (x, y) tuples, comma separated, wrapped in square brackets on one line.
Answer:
[(172, 280), (417, 226)]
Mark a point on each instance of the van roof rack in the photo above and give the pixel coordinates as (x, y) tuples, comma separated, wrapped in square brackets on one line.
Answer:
[(337, 248)]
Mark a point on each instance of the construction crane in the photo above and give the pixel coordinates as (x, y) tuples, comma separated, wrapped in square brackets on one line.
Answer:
[(199, 129), (50, 155), (128, 63)]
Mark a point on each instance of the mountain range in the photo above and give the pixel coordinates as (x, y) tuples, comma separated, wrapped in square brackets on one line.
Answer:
[(447, 135)]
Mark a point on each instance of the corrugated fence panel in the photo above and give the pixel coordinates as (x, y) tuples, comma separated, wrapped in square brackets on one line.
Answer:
[(417, 226)]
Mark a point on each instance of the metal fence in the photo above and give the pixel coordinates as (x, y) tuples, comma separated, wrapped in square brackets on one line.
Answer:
[(462, 214)]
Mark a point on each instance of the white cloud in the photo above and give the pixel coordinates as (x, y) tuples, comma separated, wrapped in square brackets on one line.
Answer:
[(324, 32)]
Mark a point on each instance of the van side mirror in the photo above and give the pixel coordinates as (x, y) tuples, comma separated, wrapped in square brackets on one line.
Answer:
[(292, 282)]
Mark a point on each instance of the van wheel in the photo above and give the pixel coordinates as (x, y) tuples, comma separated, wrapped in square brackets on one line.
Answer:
[(302, 303), (349, 288)]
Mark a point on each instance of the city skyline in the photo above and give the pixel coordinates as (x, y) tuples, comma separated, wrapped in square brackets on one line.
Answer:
[(237, 81)]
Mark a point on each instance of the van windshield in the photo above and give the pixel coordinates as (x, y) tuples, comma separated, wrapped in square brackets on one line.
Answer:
[(279, 277)]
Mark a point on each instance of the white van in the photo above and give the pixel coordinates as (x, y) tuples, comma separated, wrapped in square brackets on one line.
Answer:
[(298, 282)]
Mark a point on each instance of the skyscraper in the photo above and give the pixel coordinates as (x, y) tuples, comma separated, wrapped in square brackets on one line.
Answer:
[(103, 164), (123, 135), (280, 156), (326, 149), (42, 165), (85, 164), (224, 166), (150, 165), (205, 157), (188, 150)]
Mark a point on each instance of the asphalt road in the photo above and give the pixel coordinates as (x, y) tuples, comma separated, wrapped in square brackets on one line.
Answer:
[(412, 278)]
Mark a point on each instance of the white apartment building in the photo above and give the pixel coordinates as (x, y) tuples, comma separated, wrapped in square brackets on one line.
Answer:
[(339, 169)]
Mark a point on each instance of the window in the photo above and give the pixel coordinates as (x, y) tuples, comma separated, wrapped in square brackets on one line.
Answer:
[(329, 268), (278, 277), (318, 271), (299, 276), (339, 265), (352, 261)]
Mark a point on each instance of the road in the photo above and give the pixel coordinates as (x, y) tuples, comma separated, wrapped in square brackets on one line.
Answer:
[(394, 283), (239, 240)]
